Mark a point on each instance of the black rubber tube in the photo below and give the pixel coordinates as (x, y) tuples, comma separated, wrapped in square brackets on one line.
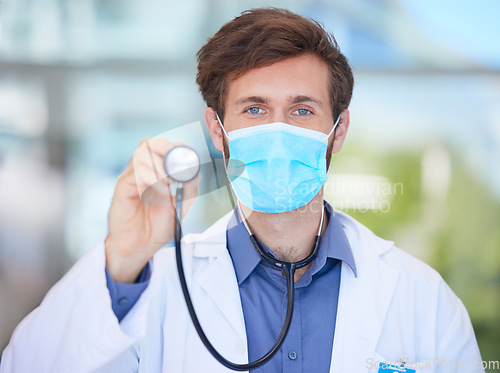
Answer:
[(288, 268)]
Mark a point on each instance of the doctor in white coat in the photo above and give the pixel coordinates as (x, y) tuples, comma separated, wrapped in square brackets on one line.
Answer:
[(251, 73)]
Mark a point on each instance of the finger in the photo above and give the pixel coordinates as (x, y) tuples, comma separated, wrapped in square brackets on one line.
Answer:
[(148, 166), (158, 194), (150, 175), (147, 174), (149, 162)]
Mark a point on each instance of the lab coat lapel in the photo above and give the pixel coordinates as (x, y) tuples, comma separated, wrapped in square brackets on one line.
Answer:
[(218, 278), (363, 303)]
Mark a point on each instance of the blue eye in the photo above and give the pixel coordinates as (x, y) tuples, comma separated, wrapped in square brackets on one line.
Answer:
[(303, 112), (253, 110)]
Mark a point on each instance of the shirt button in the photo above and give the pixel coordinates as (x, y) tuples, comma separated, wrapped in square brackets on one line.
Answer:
[(292, 355), (122, 301)]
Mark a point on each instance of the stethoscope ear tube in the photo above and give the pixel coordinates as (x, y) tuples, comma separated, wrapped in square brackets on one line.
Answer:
[(288, 268)]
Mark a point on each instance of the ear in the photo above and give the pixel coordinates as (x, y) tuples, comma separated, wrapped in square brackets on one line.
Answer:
[(341, 131), (214, 128)]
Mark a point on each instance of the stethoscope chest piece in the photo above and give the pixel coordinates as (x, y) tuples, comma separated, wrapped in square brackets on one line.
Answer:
[(182, 163)]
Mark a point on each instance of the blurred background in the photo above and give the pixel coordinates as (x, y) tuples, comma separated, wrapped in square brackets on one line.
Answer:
[(83, 81)]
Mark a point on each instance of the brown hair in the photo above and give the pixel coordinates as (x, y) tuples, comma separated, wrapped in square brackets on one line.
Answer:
[(261, 37)]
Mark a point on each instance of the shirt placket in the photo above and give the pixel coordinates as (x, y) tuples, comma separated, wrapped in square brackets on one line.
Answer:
[(292, 347)]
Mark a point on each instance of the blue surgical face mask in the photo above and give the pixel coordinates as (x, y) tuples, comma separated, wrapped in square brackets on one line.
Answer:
[(276, 167)]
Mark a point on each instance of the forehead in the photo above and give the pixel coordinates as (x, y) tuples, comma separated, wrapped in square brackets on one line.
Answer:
[(305, 75)]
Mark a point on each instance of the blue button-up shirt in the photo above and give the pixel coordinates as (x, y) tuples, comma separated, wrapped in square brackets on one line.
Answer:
[(308, 346)]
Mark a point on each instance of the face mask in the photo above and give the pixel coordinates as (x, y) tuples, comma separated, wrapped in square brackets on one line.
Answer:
[(276, 167)]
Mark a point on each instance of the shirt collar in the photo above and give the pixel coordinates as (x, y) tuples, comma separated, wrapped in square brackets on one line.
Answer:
[(245, 257), (333, 245), (335, 240)]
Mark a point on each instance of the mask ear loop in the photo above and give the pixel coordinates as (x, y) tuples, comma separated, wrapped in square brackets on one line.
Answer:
[(221, 126), (224, 160), (333, 129), (225, 133), (334, 126), (227, 137)]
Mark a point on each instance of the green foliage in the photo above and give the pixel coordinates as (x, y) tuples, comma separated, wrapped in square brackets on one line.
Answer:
[(468, 255)]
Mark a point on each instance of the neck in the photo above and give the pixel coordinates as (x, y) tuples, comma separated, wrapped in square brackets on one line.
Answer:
[(290, 235)]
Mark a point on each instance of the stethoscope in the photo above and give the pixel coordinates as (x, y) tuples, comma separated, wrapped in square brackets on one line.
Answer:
[(182, 164)]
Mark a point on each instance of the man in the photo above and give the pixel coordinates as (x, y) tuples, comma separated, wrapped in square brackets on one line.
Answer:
[(277, 90)]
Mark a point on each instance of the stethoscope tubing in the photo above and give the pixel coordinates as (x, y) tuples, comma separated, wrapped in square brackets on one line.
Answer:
[(288, 269)]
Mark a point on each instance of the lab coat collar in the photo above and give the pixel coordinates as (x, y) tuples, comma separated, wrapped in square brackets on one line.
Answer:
[(212, 242)]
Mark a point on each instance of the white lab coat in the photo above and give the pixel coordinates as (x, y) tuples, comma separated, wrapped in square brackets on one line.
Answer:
[(396, 307)]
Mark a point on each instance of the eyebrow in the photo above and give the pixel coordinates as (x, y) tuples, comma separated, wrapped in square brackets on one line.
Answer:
[(262, 100), (251, 99), (302, 98)]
